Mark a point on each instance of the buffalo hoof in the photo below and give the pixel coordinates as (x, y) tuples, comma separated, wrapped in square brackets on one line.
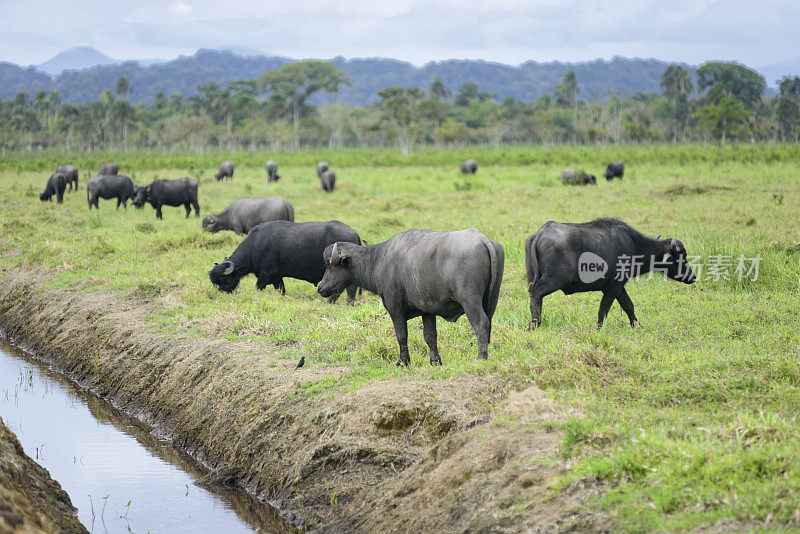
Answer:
[(401, 363), (532, 326), (437, 361)]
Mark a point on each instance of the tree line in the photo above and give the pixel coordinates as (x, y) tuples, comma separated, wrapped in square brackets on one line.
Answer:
[(282, 109)]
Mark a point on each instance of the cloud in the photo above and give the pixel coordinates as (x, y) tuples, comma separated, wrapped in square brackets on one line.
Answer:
[(510, 31), (180, 9)]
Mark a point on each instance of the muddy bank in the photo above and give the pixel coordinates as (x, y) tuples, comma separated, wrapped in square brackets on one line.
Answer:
[(31, 501), (401, 455)]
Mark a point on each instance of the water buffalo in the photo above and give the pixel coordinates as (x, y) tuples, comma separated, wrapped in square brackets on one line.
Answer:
[(245, 213), (328, 181), (70, 172), (601, 255), (570, 177), (427, 273), (108, 168), (109, 186), (614, 170), (56, 185), (225, 170), (469, 167), (277, 249), (272, 171), (322, 166), (181, 192)]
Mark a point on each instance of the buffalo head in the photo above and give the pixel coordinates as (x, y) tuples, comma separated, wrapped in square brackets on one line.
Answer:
[(338, 260), (224, 276)]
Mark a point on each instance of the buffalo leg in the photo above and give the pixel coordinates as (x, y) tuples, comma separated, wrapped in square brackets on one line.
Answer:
[(158, 212), (609, 296), (429, 331), (352, 289), (196, 208), (481, 325), (188, 208), (401, 331), (119, 201), (542, 287), (627, 306)]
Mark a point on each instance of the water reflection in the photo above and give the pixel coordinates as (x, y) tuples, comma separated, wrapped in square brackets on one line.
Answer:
[(119, 476)]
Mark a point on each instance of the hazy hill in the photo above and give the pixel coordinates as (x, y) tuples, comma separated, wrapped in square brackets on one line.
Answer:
[(183, 75), (82, 57)]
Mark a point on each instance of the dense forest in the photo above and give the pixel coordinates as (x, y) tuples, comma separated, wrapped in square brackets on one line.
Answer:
[(281, 108)]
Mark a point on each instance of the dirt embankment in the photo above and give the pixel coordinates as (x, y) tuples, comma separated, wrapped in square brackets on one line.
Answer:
[(31, 501), (464, 455)]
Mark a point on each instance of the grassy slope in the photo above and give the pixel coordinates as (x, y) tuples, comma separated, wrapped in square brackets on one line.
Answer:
[(690, 419)]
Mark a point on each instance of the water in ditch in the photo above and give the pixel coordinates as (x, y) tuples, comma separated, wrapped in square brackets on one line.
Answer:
[(119, 476)]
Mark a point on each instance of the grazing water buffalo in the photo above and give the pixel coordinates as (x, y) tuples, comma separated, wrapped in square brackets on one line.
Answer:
[(56, 185), (322, 166), (181, 192), (601, 255), (570, 177), (277, 249), (108, 168), (70, 172), (109, 186), (246, 213), (328, 181), (614, 170), (225, 170), (272, 171), (469, 167), (427, 273)]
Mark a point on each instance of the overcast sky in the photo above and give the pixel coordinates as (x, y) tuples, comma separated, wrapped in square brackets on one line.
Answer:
[(508, 31)]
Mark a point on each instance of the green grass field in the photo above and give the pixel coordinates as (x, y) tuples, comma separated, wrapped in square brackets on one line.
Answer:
[(688, 420)]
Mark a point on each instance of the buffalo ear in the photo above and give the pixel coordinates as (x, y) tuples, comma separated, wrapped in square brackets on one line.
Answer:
[(674, 247), (228, 268)]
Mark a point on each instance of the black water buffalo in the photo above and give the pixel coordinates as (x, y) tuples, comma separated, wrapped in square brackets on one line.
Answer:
[(181, 192), (427, 273), (108, 168), (272, 171), (56, 185), (614, 170), (109, 186), (70, 172), (328, 181), (322, 166), (469, 167), (570, 177), (225, 170), (277, 249), (246, 213), (601, 255)]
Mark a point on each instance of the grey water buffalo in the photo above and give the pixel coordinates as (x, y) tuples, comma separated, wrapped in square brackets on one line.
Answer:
[(225, 170), (322, 166), (328, 181), (109, 186), (571, 177), (245, 213), (181, 192), (70, 172), (277, 249), (272, 171), (55, 185), (601, 255), (424, 273), (108, 168), (614, 170), (469, 167)]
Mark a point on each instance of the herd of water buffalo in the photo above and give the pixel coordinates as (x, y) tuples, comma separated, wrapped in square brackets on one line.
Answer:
[(418, 272)]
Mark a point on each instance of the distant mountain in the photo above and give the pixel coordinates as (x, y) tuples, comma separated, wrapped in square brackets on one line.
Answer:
[(774, 73), (524, 82), (82, 57)]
